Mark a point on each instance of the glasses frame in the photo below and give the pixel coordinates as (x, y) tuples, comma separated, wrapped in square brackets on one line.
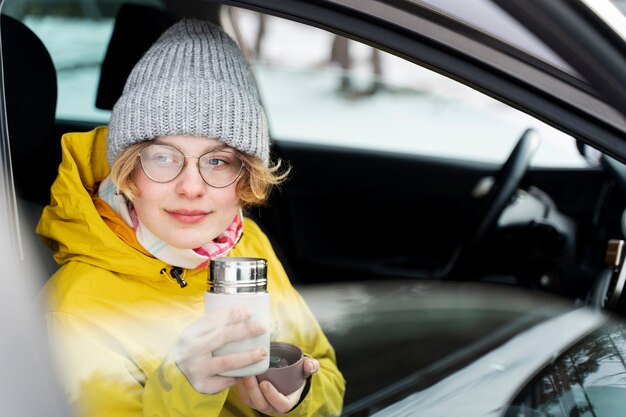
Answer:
[(197, 158)]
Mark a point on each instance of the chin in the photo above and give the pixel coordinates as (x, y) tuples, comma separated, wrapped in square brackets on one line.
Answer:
[(189, 237), (187, 242)]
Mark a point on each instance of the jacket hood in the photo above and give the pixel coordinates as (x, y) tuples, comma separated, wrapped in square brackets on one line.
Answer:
[(79, 226)]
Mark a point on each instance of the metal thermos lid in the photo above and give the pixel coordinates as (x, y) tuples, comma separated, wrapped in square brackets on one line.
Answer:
[(234, 275)]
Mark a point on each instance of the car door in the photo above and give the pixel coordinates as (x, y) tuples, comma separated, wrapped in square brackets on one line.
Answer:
[(390, 161)]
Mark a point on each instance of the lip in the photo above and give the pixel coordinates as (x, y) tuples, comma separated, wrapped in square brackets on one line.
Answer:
[(188, 216)]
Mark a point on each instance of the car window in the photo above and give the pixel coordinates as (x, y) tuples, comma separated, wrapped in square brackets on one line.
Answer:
[(321, 88), (588, 380), (318, 88), (87, 27)]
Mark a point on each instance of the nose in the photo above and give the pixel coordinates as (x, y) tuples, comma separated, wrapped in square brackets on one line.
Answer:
[(189, 183)]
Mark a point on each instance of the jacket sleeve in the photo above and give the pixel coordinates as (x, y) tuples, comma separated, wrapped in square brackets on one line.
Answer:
[(327, 386), (294, 322), (100, 379)]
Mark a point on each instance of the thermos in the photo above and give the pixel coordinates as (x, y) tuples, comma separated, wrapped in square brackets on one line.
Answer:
[(241, 281)]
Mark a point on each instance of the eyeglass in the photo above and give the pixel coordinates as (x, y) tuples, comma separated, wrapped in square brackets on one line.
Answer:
[(163, 163)]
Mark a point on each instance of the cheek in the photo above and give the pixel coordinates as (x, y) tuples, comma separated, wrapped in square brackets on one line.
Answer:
[(234, 196), (140, 184), (237, 192), (226, 198), (147, 192), (144, 185)]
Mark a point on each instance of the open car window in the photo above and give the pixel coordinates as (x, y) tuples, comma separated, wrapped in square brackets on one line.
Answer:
[(324, 89), (320, 88)]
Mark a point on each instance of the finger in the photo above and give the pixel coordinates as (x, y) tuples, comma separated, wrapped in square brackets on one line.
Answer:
[(229, 333), (208, 322), (310, 366), (212, 385), (203, 367), (199, 348), (230, 361), (243, 392), (256, 396), (279, 402)]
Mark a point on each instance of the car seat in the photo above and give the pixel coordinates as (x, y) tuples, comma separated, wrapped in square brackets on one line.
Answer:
[(136, 28), (31, 97), (30, 91)]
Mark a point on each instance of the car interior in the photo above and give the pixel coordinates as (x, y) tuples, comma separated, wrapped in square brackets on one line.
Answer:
[(351, 214), (29, 72), (347, 214)]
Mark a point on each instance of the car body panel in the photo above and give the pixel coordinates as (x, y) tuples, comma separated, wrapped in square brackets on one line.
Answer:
[(414, 334), (489, 384)]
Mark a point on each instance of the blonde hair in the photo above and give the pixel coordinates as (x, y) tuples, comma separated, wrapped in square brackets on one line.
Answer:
[(253, 186)]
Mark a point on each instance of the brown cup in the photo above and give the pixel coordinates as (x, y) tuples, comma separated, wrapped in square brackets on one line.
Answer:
[(289, 376)]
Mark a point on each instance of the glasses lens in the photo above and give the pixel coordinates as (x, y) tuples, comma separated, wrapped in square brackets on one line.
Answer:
[(161, 163), (220, 168)]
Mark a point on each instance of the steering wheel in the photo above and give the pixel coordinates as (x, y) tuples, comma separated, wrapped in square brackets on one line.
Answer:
[(497, 198)]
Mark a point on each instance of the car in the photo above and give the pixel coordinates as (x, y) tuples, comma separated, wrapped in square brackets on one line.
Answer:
[(454, 215)]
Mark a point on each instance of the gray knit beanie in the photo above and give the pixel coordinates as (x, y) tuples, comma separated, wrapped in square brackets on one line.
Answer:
[(194, 80)]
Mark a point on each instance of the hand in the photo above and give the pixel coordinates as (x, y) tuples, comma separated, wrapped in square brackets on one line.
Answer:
[(265, 398), (193, 353)]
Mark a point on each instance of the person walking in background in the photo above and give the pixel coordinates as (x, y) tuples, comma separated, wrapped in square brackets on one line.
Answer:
[(340, 54)]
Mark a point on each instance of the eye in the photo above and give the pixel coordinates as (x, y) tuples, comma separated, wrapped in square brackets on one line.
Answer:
[(215, 161), (218, 160), (164, 155), (163, 158)]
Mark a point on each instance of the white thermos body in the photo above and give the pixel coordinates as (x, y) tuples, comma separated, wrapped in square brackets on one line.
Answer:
[(241, 281)]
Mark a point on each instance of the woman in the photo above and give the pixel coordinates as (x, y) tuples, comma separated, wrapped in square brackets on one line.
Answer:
[(137, 211)]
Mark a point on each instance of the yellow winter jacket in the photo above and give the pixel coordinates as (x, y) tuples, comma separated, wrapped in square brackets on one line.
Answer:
[(113, 316)]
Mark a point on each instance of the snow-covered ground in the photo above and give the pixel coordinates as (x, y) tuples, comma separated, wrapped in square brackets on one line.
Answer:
[(420, 112)]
